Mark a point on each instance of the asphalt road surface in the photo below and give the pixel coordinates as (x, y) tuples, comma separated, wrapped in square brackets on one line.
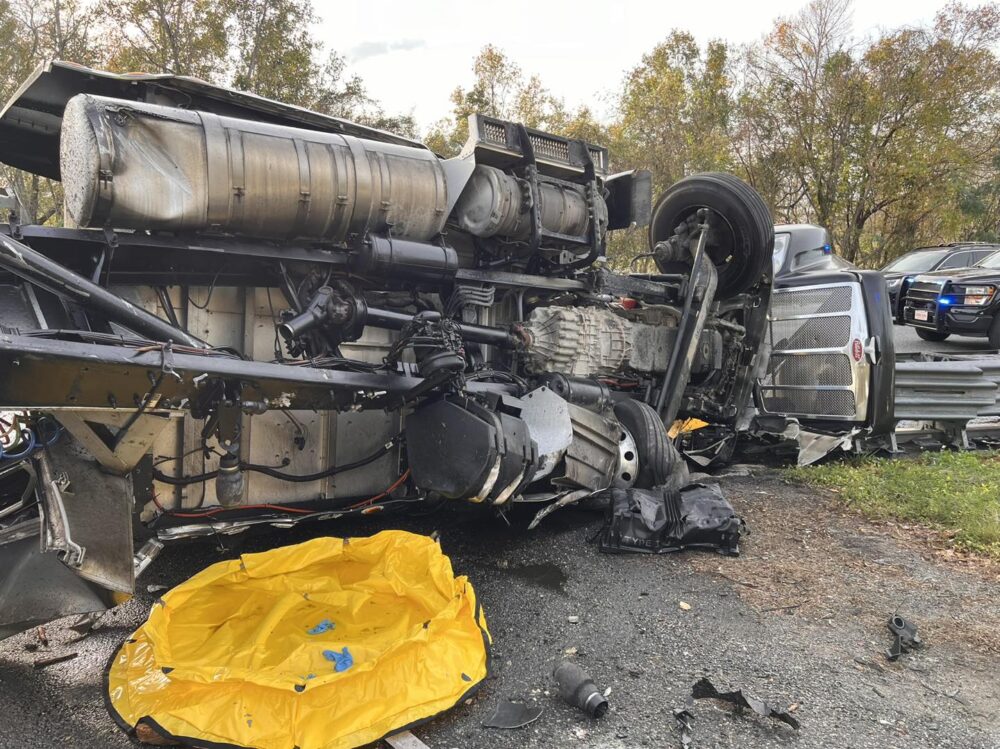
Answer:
[(907, 342), (798, 620)]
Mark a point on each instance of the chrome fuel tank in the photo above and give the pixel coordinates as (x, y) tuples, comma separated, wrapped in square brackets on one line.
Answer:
[(128, 164)]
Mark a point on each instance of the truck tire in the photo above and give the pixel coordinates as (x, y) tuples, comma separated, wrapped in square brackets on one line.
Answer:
[(995, 333), (742, 238), (932, 335), (660, 463)]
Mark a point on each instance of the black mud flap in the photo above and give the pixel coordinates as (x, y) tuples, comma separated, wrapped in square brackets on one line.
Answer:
[(75, 554), (35, 588), (655, 521)]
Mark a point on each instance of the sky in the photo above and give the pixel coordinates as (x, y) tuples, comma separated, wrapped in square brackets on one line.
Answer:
[(412, 54)]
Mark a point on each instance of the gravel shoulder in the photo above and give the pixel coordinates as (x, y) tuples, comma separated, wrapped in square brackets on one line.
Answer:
[(798, 619)]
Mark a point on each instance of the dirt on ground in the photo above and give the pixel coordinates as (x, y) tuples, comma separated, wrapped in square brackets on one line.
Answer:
[(799, 619)]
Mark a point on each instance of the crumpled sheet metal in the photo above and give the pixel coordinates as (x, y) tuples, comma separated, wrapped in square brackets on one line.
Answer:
[(704, 689), (236, 656)]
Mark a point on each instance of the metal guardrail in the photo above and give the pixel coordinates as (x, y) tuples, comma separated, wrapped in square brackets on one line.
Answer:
[(943, 393)]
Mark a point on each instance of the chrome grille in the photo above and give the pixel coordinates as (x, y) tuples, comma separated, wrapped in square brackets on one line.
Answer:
[(829, 403), (817, 367), (812, 302), (814, 332), (804, 369)]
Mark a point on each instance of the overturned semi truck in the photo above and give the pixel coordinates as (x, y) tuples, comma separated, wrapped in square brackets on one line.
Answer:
[(257, 314)]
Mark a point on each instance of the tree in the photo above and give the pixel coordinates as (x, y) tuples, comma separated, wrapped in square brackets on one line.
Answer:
[(869, 138), (674, 111), (30, 33), (184, 37), (500, 90)]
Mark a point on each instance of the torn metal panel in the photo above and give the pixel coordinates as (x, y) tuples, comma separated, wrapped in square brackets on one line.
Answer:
[(593, 454), (704, 689), (36, 587), (512, 715), (813, 446), (88, 515)]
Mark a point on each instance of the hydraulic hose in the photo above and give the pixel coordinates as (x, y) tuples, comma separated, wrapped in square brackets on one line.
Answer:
[(275, 473)]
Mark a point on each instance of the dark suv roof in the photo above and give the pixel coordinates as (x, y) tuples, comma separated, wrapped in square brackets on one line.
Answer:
[(946, 251)]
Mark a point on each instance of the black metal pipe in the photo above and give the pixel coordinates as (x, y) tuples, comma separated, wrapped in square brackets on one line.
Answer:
[(384, 318), (34, 267)]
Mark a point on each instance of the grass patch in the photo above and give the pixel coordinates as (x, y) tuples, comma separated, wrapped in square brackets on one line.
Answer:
[(954, 491)]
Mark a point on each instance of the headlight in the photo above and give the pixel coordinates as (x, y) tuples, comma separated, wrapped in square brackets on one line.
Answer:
[(975, 296)]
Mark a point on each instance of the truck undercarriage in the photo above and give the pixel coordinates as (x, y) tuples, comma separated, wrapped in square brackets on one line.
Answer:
[(259, 315)]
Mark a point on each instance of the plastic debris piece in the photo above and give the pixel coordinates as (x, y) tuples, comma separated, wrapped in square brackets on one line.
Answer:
[(405, 740), (84, 624), (704, 689), (684, 606), (904, 637), (341, 661), (53, 660), (659, 520), (512, 715), (683, 717), (324, 626), (579, 690)]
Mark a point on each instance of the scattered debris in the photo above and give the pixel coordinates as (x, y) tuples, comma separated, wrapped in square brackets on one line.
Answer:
[(663, 520), (512, 715), (704, 689), (149, 735), (87, 623), (155, 588), (146, 554), (904, 637), (579, 690), (405, 740), (683, 717), (573, 619), (684, 606), (53, 660), (41, 641), (570, 651)]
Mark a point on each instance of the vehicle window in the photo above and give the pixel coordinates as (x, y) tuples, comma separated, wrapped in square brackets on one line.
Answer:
[(818, 259), (780, 250), (958, 260), (916, 262), (992, 262), (981, 255)]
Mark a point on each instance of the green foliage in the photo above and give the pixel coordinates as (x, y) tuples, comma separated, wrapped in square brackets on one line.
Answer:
[(30, 33), (890, 141), (954, 491), (500, 89), (878, 140)]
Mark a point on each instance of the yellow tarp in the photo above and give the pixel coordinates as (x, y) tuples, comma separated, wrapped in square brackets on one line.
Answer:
[(246, 653)]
